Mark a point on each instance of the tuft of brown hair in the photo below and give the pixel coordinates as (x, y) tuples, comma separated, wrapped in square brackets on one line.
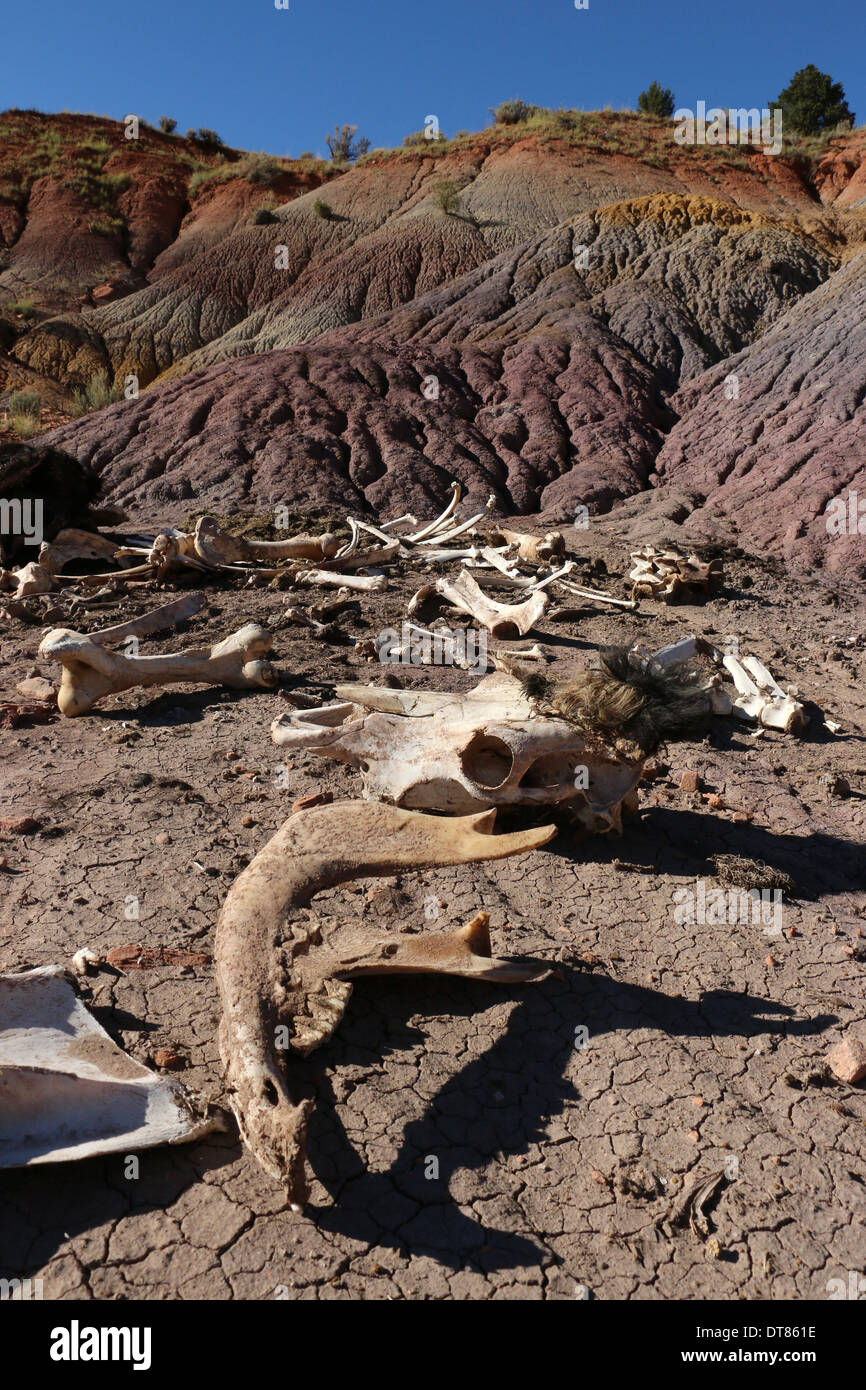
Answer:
[(626, 701)]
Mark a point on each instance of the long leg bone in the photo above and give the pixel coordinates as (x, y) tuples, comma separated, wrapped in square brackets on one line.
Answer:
[(170, 613), (90, 672), (502, 619), (217, 547), (364, 583), (265, 996)]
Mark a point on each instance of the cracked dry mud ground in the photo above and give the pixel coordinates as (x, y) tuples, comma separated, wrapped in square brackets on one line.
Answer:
[(559, 1166)]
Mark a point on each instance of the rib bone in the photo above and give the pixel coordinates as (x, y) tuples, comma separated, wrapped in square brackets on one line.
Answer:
[(308, 991), (436, 525)]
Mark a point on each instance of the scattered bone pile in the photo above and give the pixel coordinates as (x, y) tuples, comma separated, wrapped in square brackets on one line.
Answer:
[(417, 752)]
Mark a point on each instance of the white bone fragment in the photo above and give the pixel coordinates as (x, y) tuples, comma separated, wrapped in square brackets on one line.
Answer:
[(74, 544), (440, 537), (374, 531), (274, 976), (596, 594), (535, 548), (67, 1091), (90, 672), (32, 579), (456, 493), (556, 576), (170, 613), (297, 615), (352, 543), (502, 619), (85, 959), (760, 698), (363, 583), (217, 547)]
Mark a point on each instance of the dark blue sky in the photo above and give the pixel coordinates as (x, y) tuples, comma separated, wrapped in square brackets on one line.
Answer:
[(279, 79)]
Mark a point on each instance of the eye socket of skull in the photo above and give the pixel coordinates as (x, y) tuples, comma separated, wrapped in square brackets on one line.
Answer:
[(487, 760), (550, 770)]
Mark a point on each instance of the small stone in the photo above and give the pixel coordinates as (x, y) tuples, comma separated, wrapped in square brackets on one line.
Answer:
[(248, 822), (836, 785), (716, 802), (305, 803), (690, 781), (18, 825), (771, 961), (168, 1058), (163, 839), (847, 1060), (37, 688)]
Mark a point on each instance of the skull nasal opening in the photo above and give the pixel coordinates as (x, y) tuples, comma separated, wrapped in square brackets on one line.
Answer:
[(487, 760)]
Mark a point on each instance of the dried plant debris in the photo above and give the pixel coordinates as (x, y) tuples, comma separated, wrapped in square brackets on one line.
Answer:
[(742, 872)]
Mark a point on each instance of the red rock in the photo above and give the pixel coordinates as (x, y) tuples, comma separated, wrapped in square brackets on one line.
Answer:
[(306, 803), (37, 688), (168, 1058), (18, 825), (690, 781), (148, 957)]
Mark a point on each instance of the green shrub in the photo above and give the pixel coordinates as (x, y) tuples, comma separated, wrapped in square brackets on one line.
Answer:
[(255, 168), (106, 226), (656, 101), (24, 308), (446, 196), (167, 125), (812, 102), (343, 145), (323, 209), (25, 403), (97, 394), (513, 112), (419, 137), (25, 426), (262, 216)]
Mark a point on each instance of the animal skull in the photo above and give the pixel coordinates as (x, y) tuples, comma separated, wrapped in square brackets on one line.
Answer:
[(462, 753)]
